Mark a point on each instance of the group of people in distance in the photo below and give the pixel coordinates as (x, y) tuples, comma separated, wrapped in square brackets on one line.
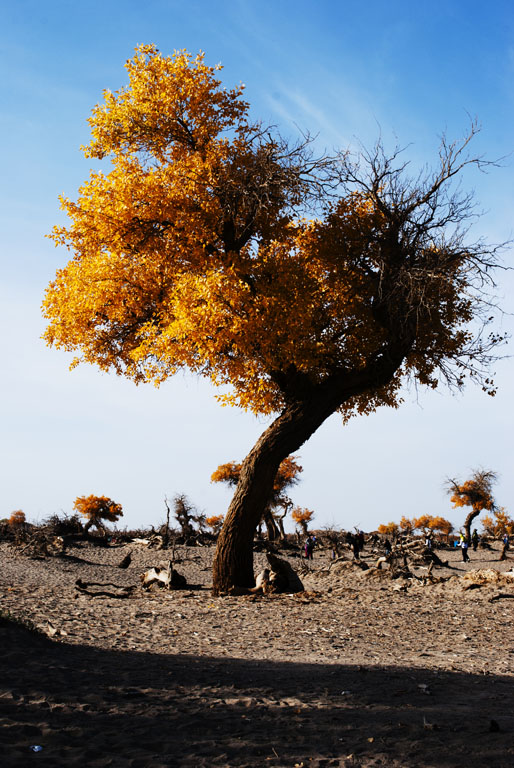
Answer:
[(356, 542)]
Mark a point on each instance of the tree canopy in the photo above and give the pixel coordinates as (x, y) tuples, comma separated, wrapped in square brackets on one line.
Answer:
[(302, 285), (97, 509), (191, 253), (476, 493)]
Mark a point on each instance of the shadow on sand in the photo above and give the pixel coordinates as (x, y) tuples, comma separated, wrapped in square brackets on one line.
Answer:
[(93, 707)]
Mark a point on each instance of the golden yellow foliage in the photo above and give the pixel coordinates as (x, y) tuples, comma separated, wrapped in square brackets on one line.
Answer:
[(302, 515), (475, 493), (389, 529), (406, 525), (432, 523), (97, 508), (188, 253), (215, 522), (286, 476), (498, 525)]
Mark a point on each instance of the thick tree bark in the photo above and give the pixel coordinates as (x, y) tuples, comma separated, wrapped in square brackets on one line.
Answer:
[(233, 559)]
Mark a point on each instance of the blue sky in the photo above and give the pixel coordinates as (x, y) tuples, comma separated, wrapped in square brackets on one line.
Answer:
[(345, 71)]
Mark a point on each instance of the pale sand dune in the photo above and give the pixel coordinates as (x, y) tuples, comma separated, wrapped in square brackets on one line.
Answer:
[(356, 671)]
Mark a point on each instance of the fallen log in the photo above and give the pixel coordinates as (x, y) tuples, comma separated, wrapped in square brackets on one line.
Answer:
[(84, 588), (501, 596)]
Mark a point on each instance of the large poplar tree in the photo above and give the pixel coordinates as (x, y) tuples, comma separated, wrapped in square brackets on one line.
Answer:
[(308, 285)]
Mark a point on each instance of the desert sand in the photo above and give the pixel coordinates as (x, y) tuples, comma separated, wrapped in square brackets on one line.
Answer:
[(358, 670)]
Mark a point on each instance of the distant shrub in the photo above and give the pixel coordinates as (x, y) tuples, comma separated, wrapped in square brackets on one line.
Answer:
[(433, 523), (389, 529), (499, 524), (17, 517), (215, 523), (68, 525), (302, 517), (97, 509), (406, 526), (188, 516)]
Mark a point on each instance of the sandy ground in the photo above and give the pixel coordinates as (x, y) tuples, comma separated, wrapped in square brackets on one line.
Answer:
[(359, 670)]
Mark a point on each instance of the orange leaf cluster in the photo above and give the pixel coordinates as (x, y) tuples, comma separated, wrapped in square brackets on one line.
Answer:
[(473, 494), (499, 524), (286, 477), (389, 529), (17, 517), (215, 522), (423, 523), (302, 515), (188, 254), (406, 525), (98, 508), (433, 523)]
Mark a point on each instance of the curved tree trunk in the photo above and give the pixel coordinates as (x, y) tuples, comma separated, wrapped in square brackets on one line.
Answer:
[(233, 558), (280, 523), (467, 523)]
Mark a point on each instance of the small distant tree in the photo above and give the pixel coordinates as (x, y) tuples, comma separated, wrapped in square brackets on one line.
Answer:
[(335, 539), (435, 524), (188, 516), (286, 477), (477, 493), (17, 517), (215, 523), (442, 525), (499, 524), (302, 517), (406, 526), (97, 509), (64, 526), (389, 529)]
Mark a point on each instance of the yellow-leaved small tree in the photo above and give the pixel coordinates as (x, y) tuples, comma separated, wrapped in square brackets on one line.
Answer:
[(499, 524), (433, 523), (17, 517), (388, 529), (97, 509), (302, 517), (214, 522), (476, 493)]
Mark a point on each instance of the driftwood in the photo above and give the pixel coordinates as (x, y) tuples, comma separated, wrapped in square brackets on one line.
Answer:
[(153, 542), (84, 588), (40, 544), (339, 559), (165, 577), (501, 596)]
